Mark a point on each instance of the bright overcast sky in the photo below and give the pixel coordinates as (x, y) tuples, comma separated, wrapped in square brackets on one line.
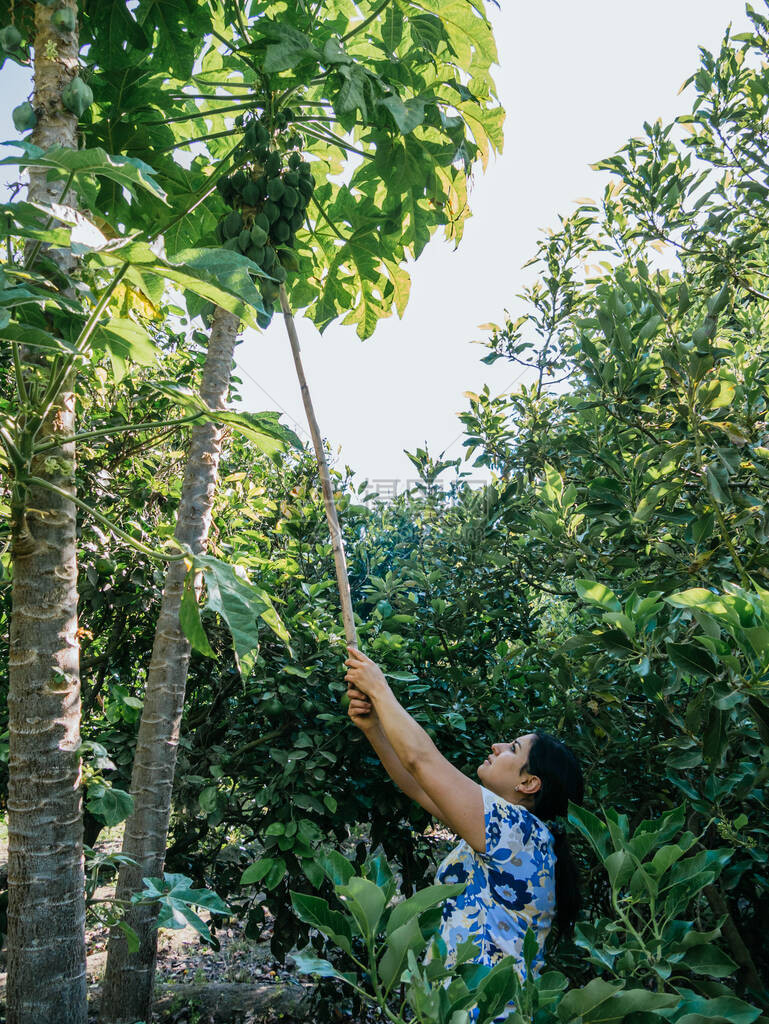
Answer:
[(576, 80)]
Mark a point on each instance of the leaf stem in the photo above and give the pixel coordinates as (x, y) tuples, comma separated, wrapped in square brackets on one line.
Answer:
[(34, 252), (197, 114), (155, 553), (364, 24), (109, 431)]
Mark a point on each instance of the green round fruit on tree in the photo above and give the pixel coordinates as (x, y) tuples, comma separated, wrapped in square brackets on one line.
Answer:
[(271, 211), (24, 117), (232, 224), (64, 20), (251, 193), (77, 96), (270, 291), (258, 234), (272, 164), (273, 707), (279, 273), (276, 189), (10, 38)]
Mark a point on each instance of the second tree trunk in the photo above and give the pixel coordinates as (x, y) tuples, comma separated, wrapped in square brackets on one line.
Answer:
[(129, 978)]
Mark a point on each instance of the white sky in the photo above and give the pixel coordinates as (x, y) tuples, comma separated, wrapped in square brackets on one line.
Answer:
[(576, 80)]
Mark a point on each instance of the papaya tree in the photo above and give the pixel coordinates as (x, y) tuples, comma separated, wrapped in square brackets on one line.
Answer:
[(395, 98), (66, 300), (46, 909)]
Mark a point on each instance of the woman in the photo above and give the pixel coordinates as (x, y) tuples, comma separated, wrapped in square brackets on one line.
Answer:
[(519, 871)]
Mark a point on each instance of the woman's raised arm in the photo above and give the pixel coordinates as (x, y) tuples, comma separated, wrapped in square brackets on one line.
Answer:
[(457, 799)]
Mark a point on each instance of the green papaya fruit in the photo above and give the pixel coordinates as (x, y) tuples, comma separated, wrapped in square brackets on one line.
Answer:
[(280, 230), (256, 253), (290, 197), (233, 224), (24, 117), (232, 245), (251, 194), (10, 38), (77, 96), (270, 290), (271, 211), (239, 181), (258, 234), (262, 135), (294, 161), (304, 169), (244, 239), (297, 220), (220, 235), (279, 273), (64, 20), (305, 188), (276, 189), (291, 177), (269, 258), (272, 164), (260, 220)]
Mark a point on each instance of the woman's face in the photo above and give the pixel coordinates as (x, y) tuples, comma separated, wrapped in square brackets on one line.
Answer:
[(503, 770)]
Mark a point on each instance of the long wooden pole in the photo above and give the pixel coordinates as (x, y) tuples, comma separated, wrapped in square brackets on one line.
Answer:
[(337, 544)]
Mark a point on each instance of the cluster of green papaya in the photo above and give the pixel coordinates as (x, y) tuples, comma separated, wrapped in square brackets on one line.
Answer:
[(268, 196)]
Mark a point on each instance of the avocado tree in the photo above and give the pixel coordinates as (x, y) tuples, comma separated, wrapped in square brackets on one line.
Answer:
[(637, 498)]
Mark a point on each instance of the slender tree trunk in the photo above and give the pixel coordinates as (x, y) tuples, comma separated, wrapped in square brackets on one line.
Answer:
[(46, 903), (129, 978)]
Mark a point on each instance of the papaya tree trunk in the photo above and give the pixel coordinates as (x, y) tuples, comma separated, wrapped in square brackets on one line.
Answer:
[(46, 901), (337, 545), (129, 977)]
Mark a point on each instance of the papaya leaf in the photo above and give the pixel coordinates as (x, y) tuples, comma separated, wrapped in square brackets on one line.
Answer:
[(125, 171), (189, 618)]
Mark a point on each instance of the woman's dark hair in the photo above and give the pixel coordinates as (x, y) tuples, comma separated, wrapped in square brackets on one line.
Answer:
[(562, 781)]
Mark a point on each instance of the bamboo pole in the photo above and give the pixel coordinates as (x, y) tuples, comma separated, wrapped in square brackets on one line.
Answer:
[(325, 478)]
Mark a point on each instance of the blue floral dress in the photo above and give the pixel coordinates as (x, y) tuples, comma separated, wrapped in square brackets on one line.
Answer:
[(511, 887)]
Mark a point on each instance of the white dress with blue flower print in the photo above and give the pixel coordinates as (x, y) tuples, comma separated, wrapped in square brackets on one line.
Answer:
[(511, 887)]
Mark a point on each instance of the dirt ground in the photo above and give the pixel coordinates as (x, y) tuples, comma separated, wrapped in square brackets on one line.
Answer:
[(240, 983)]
